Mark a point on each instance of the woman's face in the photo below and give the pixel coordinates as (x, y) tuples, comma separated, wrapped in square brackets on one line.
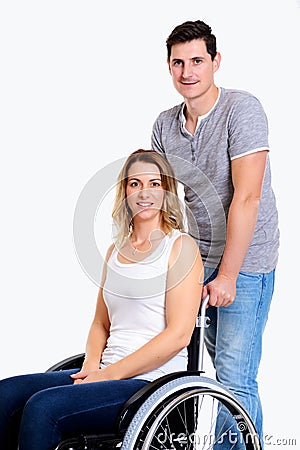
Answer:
[(144, 191)]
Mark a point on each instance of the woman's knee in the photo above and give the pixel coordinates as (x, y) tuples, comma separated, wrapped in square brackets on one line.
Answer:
[(40, 405), (12, 392)]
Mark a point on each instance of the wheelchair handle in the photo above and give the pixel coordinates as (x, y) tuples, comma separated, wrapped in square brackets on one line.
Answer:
[(202, 322)]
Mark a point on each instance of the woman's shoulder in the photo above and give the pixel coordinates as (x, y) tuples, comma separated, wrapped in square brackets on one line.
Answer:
[(110, 251), (182, 236), (184, 256), (183, 245)]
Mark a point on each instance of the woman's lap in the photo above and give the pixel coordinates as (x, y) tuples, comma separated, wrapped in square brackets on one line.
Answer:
[(55, 407)]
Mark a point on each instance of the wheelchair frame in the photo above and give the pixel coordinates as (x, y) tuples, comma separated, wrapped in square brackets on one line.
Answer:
[(167, 412)]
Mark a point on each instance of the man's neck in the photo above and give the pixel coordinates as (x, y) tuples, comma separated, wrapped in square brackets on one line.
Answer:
[(198, 107)]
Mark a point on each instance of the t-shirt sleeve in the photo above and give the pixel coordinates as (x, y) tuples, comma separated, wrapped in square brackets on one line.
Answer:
[(156, 139), (248, 128)]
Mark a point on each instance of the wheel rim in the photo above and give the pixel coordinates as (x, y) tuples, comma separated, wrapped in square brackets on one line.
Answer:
[(198, 420)]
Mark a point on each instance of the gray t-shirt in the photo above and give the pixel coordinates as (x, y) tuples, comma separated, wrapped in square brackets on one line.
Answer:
[(234, 127)]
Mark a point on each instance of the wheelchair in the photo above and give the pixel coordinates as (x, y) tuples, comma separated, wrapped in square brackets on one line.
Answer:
[(179, 411)]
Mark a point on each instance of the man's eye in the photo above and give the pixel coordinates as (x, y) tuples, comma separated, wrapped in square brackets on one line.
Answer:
[(177, 63), (197, 61)]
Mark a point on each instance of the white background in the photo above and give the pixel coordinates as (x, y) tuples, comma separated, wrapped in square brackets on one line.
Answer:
[(81, 84)]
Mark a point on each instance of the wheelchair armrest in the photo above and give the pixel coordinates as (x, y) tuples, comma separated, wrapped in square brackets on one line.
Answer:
[(73, 362), (137, 399)]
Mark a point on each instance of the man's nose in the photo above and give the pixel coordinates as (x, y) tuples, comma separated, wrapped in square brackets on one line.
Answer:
[(187, 70)]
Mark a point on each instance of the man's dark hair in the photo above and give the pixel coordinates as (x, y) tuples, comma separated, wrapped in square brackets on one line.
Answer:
[(188, 31)]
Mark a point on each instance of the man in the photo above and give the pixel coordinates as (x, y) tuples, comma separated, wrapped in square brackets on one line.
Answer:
[(217, 140)]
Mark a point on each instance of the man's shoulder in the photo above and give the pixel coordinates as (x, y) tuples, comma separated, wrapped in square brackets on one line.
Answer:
[(233, 96), (171, 113)]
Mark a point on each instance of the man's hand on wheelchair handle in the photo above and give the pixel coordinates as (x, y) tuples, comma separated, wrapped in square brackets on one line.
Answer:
[(221, 291)]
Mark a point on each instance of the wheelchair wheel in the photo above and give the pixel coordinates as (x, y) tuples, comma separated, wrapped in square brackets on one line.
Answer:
[(191, 413)]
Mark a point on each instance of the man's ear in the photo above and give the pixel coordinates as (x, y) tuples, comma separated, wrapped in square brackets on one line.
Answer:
[(217, 61), (169, 65)]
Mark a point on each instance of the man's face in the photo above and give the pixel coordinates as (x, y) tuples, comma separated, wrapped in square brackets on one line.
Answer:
[(192, 69)]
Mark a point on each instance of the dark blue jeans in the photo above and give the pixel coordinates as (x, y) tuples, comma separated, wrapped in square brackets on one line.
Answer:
[(37, 411)]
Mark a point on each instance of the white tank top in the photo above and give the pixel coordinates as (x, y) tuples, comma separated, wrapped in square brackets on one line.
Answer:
[(135, 298)]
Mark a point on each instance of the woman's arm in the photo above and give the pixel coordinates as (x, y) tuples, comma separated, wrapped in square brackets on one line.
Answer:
[(98, 333), (182, 304), (97, 336)]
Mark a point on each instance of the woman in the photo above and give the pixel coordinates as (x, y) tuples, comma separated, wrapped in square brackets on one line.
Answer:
[(145, 314)]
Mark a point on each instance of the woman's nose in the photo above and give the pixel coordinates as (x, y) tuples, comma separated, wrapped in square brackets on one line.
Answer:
[(143, 193)]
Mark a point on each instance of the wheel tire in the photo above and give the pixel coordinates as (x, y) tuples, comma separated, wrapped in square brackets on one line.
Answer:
[(191, 412)]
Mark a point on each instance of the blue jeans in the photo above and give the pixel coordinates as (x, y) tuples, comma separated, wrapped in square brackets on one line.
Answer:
[(234, 339), (42, 409)]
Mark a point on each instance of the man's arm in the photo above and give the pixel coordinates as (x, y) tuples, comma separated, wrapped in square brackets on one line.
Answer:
[(156, 143), (247, 177)]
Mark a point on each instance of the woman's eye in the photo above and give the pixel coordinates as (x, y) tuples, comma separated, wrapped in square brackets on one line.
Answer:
[(156, 184), (133, 184)]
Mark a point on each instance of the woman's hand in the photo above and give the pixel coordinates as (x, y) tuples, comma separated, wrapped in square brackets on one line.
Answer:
[(86, 370), (80, 376), (91, 376)]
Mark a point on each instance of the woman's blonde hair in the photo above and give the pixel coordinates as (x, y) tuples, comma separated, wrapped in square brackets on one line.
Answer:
[(171, 213)]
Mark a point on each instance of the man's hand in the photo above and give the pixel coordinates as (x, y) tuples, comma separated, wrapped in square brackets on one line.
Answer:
[(221, 291)]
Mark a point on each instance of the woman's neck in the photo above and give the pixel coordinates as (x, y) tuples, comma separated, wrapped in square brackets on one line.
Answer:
[(142, 241), (154, 235), (144, 231)]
